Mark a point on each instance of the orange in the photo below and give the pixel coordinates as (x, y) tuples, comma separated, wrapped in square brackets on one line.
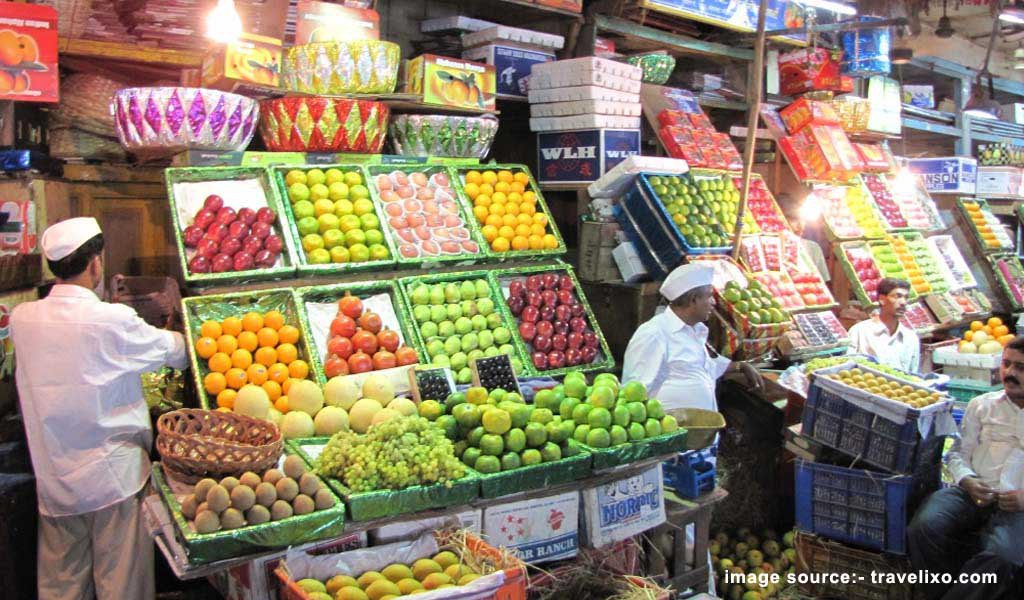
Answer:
[(206, 347), (487, 189), (227, 344), (524, 219), (281, 404), (517, 187), (214, 383), (510, 221), (536, 229), (266, 356), (550, 242), (241, 359), (287, 385), (289, 334), (235, 378), (273, 390), (480, 212), (1000, 330), (287, 353), (298, 369), (473, 177), (490, 232), (502, 186), (498, 209), (247, 341), (506, 176), (273, 319), (226, 399), (219, 362), (252, 321), (976, 325), (472, 189), (968, 336), (521, 177), (490, 177), (256, 374), (1006, 339), (987, 330), (483, 200), (512, 208), (995, 322), (210, 329), (540, 218), (520, 243), (525, 208), (494, 220), (529, 197), (507, 232), (278, 372), (500, 244), (499, 197), (536, 242), (232, 326), (268, 337), (515, 197), (523, 230)]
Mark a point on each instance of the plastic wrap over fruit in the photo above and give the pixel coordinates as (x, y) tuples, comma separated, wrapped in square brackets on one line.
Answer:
[(440, 135), (355, 67), (300, 124)]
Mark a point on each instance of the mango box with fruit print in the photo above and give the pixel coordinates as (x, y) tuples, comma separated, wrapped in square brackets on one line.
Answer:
[(451, 82), (250, 65), (28, 53)]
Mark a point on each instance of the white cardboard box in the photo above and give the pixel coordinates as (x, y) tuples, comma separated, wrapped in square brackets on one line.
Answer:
[(1000, 181), (628, 260), (617, 181), (540, 529), (471, 520), (624, 508)]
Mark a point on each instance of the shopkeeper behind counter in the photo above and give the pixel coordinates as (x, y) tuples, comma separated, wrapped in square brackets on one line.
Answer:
[(670, 353), (883, 336)]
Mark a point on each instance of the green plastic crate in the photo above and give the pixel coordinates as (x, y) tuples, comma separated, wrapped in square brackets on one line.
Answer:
[(963, 390)]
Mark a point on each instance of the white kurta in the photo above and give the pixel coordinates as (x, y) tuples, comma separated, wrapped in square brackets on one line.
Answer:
[(672, 361), (78, 366), (901, 350)]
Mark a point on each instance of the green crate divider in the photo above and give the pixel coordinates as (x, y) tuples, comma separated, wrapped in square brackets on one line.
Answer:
[(975, 234), (381, 504), (197, 309), (537, 477), (460, 202), (251, 539), (358, 288), (939, 283), (200, 174), (631, 452), (964, 390), (855, 284), (405, 288), (541, 203), (304, 268), (605, 359), (902, 274), (1004, 285)]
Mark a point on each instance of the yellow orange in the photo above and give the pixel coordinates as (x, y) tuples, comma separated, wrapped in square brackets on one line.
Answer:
[(1000, 330), (490, 232), (502, 187), (278, 372), (298, 369), (526, 208), (494, 220), (226, 399), (995, 322), (472, 189), (523, 230), (507, 232), (540, 218), (499, 197), (227, 344), (482, 200), (473, 177), (274, 319), (529, 197), (287, 385), (235, 378), (266, 356), (211, 329), (247, 340), (219, 362), (517, 186), (289, 334), (512, 208), (214, 383), (976, 325), (480, 212), (520, 242), (550, 242), (522, 219), (487, 189), (536, 242), (536, 229), (273, 390), (521, 177), (232, 326), (500, 244), (281, 404), (252, 321), (510, 221), (267, 337), (256, 374), (241, 359), (505, 176), (287, 353), (206, 347), (498, 209), (490, 177)]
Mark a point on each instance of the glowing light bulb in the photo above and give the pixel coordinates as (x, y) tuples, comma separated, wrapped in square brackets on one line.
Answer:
[(904, 185), (223, 23), (810, 210)]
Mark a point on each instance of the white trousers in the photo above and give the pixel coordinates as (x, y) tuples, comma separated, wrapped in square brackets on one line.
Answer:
[(106, 553)]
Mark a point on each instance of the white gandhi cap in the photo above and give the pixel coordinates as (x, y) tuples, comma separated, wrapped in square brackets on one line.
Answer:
[(686, 278), (61, 239)]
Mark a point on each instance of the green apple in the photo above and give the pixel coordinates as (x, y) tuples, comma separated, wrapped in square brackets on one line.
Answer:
[(340, 254), (318, 191), (354, 237), (459, 360), (435, 348), (379, 252), (334, 176), (374, 237), (298, 192), (303, 209), (479, 322), (315, 176), (428, 330), (353, 178), (308, 225), (322, 207), (463, 325), (359, 253), (348, 223), (337, 191), (343, 207), (319, 256), (438, 314), (312, 242), (327, 221), (359, 192), (502, 335), (363, 207), (332, 238)]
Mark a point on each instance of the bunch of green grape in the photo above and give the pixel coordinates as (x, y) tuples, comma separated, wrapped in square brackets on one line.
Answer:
[(395, 454)]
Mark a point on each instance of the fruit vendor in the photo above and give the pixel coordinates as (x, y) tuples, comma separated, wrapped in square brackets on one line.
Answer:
[(670, 354), (977, 526), (88, 427), (883, 336)]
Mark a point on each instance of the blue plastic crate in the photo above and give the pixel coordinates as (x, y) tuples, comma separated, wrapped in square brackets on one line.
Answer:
[(958, 412), (856, 506), (655, 267), (690, 474), (643, 191)]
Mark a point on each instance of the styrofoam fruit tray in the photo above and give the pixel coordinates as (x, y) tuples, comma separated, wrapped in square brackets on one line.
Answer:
[(501, 33), (584, 122), (563, 79), (590, 64), (585, 107), (585, 92)]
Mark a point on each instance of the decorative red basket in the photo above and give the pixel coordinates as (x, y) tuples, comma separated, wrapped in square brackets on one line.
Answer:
[(323, 124)]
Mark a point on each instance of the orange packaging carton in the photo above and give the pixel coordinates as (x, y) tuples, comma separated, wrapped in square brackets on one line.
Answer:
[(28, 53), (249, 66), (804, 112), (570, 5), (451, 81), (325, 22), (808, 69)]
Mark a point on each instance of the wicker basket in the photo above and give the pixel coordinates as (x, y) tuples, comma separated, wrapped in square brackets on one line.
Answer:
[(195, 443), (85, 104)]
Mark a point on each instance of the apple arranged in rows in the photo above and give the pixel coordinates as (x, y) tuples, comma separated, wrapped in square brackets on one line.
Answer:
[(782, 289), (811, 288), (359, 342), (228, 240), (552, 321), (762, 205), (884, 200), (867, 272)]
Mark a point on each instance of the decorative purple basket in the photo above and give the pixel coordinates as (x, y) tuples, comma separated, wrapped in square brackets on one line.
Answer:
[(161, 121)]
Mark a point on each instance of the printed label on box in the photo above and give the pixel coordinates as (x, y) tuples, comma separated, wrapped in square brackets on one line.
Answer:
[(540, 529), (583, 156), (624, 508), (949, 175), (511, 65)]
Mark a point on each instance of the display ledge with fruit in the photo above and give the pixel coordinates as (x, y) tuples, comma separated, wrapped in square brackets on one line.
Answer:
[(781, 287), (860, 266), (227, 225), (459, 317), (916, 205), (890, 264), (931, 268), (952, 262), (333, 221), (737, 346), (756, 313), (1010, 275), (761, 252), (510, 212), (988, 337), (987, 228), (840, 223), (358, 328), (919, 318), (278, 508), (762, 205), (821, 329), (555, 327), (957, 306), (850, 380), (693, 208), (878, 190)]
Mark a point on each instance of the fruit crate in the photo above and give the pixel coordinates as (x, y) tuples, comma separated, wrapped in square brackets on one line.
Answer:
[(856, 285), (186, 200), (542, 208), (858, 506), (647, 208), (664, 445), (381, 504), (251, 539), (840, 224), (819, 555), (736, 346), (919, 318), (897, 270), (963, 390), (652, 241), (467, 245), (783, 286), (877, 188), (1010, 275), (197, 309), (387, 303), (690, 474), (925, 259), (603, 361), (309, 269), (951, 260), (881, 432), (763, 206), (916, 204), (995, 241), (405, 288)]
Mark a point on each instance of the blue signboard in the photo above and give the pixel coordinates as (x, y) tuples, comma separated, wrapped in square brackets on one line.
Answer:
[(949, 175), (740, 15), (583, 156)]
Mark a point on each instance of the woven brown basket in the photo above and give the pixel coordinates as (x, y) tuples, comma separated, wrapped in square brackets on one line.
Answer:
[(195, 443)]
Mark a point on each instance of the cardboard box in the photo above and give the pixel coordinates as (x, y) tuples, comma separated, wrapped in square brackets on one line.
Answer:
[(539, 529), (921, 96), (28, 53), (627, 259), (804, 112), (808, 69), (250, 66), (947, 175), (570, 5), (573, 157), (597, 240), (451, 82), (471, 520), (619, 510), (512, 66), (325, 22), (1000, 181)]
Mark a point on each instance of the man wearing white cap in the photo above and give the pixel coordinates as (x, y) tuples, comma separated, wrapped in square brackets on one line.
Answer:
[(89, 434), (670, 354)]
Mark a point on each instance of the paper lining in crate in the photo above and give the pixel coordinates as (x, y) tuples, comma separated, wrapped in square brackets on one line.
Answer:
[(883, 433), (305, 267), (323, 124), (336, 68), (239, 188)]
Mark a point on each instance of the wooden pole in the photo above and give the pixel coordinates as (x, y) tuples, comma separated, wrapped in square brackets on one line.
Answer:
[(754, 102)]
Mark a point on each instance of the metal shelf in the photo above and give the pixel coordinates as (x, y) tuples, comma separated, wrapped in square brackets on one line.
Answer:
[(640, 38)]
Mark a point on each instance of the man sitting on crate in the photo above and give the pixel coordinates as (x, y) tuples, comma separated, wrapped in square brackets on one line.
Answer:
[(977, 527)]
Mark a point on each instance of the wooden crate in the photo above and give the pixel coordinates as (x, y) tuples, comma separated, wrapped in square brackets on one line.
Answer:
[(620, 308)]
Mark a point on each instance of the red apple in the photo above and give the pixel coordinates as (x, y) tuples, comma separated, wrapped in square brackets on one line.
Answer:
[(252, 245), (273, 243), (208, 247), (573, 357), (230, 246), (199, 264), (589, 353), (549, 281), (516, 304), (566, 297), (533, 298), (556, 359), (529, 314), (265, 215), (213, 202), (247, 215), (527, 331), (221, 263), (545, 328), (542, 343), (540, 361), (578, 310), (226, 215), (261, 229), (565, 283), (534, 283), (265, 258), (562, 327), (546, 313), (217, 231), (238, 229), (559, 342), (243, 261), (516, 289), (563, 312), (549, 298), (590, 339), (192, 235), (577, 324), (575, 340), (205, 218)]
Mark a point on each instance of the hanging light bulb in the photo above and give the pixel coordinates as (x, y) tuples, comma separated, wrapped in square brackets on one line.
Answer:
[(223, 23), (810, 210)]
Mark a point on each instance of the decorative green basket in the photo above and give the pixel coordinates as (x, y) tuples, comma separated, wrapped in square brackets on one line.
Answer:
[(537, 477), (252, 539), (901, 274), (976, 233), (632, 452), (1004, 285), (287, 260), (305, 268), (333, 293), (381, 504), (605, 360), (657, 68), (197, 309)]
